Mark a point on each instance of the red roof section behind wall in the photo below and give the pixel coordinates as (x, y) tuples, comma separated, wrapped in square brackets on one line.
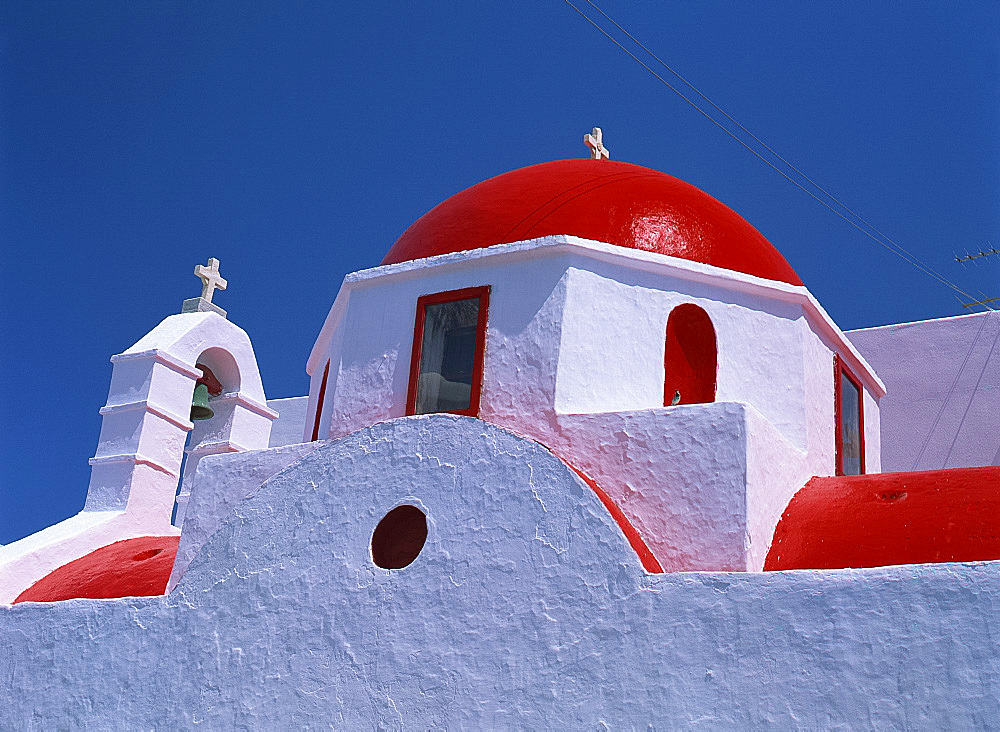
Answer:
[(128, 568), (604, 200), (890, 518)]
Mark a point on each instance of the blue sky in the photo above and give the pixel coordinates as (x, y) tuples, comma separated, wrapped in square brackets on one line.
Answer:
[(295, 141)]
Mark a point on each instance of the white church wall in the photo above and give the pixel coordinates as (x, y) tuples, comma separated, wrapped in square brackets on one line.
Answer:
[(370, 366), (611, 353), (287, 429), (220, 482), (873, 434), (577, 328), (943, 379), (820, 401), (775, 471), (282, 618), (677, 473)]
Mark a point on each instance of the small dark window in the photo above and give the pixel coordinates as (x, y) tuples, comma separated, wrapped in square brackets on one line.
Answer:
[(448, 343), (690, 358), (399, 537), (849, 421)]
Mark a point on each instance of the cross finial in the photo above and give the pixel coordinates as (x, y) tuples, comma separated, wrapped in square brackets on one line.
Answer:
[(593, 140), (211, 280)]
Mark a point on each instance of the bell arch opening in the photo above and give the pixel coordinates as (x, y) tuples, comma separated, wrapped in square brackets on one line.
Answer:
[(223, 367)]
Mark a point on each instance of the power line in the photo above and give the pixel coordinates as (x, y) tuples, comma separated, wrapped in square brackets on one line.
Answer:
[(884, 241)]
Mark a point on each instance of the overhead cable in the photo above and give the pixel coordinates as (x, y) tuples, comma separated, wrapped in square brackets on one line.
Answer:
[(885, 241)]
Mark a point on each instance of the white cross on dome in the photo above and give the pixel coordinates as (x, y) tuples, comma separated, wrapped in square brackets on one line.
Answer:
[(594, 140)]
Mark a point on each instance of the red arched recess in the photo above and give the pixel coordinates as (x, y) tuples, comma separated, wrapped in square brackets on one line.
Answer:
[(128, 568), (890, 518), (690, 358)]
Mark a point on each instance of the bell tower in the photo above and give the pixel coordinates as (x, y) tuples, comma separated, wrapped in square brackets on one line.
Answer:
[(194, 368)]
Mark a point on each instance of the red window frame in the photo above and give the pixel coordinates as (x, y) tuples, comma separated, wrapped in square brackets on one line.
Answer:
[(468, 293), (840, 368), (319, 402)]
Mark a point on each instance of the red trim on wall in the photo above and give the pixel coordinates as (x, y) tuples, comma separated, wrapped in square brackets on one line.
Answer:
[(881, 519), (840, 368), (649, 561), (319, 402), (690, 356), (483, 293), (129, 568)]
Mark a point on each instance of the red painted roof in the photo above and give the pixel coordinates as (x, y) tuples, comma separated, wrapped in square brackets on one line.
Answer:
[(605, 200), (890, 518), (128, 568)]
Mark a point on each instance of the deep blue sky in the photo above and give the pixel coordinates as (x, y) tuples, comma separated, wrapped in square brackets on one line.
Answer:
[(296, 141)]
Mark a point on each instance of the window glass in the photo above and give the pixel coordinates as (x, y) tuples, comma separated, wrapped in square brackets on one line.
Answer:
[(447, 356), (850, 427)]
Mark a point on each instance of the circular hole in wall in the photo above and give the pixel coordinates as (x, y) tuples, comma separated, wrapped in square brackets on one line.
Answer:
[(399, 537), (148, 554)]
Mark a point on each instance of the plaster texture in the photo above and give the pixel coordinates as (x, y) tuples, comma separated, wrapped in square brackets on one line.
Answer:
[(578, 327), (943, 391), (288, 428), (221, 482), (525, 609)]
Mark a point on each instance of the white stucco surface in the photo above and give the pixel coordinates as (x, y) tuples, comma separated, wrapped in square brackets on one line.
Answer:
[(578, 328), (287, 429), (525, 609), (219, 484), (943, 400)]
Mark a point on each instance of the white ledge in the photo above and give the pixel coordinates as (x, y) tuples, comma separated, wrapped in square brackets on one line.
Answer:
[(175, 419), (562, 244), (248, 402), (167, 359), (134, 458), (216, 448)]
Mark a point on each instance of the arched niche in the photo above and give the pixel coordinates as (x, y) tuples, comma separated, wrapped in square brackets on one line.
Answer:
[(223, 366), (690, 357)]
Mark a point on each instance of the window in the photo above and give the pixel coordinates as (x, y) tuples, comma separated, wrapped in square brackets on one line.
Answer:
[(319, 401), (449, 338), (849, 416), (399, 537), (690, 357)]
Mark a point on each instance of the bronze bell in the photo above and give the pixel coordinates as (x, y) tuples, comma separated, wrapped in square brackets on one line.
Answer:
[(199, 404)]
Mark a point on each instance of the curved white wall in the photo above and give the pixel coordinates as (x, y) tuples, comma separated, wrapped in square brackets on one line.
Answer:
[(578, 328)]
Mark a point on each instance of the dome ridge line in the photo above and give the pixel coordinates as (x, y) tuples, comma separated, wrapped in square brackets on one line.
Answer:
[(572, 198), (617, 175)]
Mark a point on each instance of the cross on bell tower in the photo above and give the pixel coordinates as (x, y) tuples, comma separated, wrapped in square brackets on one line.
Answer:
[(211, 281), (210, 278), (594, 140)]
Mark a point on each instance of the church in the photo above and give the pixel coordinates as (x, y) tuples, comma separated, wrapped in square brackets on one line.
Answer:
[(582, 450)]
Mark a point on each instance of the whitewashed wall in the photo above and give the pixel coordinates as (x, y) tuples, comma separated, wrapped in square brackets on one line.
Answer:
[(525, 609), (578, 328)]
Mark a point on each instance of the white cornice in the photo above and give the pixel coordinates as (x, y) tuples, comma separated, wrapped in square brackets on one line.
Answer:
[(552, 246)]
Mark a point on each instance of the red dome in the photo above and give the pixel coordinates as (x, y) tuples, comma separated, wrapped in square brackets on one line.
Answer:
[(610, 201), (890, 518), (129, 568)]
